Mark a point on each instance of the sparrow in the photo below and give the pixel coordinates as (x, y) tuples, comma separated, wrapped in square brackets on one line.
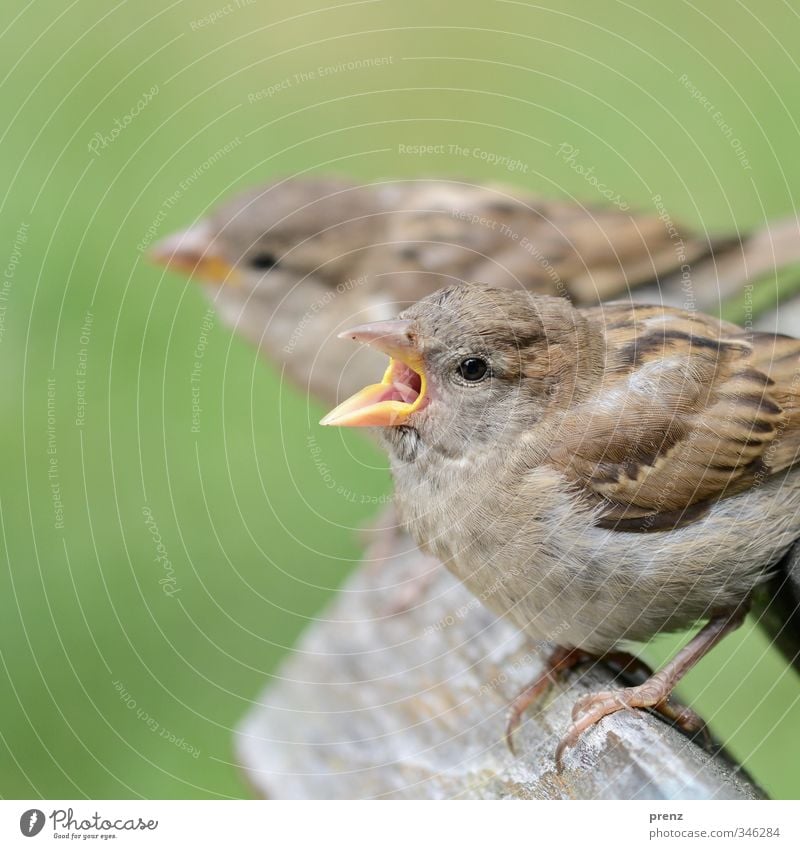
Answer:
[(289, 264), (597, 475)]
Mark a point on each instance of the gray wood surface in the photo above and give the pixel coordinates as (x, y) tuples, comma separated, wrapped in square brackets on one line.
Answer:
[(376, 703)]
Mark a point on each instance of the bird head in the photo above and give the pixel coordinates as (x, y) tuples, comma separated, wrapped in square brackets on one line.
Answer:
[(470, 365), (276, 262), (284, 231)]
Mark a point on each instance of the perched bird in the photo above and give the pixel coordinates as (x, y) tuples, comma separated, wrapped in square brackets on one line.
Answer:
[(289, 264), (597, 475)]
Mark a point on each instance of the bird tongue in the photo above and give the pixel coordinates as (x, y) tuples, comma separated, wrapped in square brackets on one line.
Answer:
[(405, 393), (397, 390), (383, 404), (405, 383)]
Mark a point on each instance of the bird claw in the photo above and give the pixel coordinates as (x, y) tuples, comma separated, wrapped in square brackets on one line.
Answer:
[(513, 720), (560, 661), (522, 702), (653, 694), (557, 665), (581, 706), (684, 717), (590, 708)]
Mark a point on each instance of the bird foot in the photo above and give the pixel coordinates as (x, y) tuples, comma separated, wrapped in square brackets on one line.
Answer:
[(590, 708), (557, 665), (654, 693)]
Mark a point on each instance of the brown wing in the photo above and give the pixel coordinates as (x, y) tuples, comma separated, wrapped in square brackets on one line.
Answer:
[(444, 232), (412, 237), (691, 410)]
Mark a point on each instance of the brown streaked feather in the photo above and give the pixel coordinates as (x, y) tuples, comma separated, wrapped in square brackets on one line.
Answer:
[(548, 247), (691, 409), (411, 237)]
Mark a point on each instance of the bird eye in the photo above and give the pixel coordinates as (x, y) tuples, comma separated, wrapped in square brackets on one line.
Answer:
[(263, 261), (473, 369)]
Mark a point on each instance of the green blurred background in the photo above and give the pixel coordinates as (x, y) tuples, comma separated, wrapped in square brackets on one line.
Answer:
[(255, 540)]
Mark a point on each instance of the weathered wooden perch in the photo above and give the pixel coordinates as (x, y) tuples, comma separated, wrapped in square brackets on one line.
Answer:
[(412, 705)]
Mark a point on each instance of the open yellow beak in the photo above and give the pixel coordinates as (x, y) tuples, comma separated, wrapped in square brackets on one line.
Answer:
[(403, 390), (192, 252)]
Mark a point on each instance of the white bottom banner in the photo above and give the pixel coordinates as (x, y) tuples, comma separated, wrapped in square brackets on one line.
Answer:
[(401, 824)]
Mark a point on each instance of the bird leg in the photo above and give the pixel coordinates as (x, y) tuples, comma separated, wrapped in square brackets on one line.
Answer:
[(562, 660), (655, 692)]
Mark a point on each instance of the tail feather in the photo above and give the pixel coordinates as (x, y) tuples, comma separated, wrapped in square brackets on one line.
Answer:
[(735, 261)]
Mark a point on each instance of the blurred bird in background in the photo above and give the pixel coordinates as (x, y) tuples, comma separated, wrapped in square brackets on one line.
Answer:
[(289, 264)]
